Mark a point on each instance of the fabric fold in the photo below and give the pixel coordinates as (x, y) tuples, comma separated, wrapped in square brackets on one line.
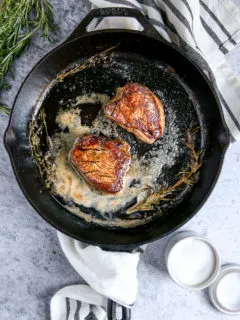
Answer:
[(112, 274)]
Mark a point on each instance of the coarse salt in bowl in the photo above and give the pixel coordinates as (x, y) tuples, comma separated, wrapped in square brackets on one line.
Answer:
[(192, 261), (225, 291)]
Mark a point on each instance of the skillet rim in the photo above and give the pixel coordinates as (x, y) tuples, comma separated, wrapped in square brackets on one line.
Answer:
[(225, 142)]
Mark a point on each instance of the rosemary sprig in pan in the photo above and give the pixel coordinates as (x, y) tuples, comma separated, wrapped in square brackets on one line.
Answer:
[(19, 21), (86, 64), (187, 178), (36, 133)]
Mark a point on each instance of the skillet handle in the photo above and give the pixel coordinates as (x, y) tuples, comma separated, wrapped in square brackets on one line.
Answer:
[(115, 12), (112, 308)]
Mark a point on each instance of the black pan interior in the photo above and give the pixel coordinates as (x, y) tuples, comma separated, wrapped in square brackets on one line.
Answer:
[(32, 95), (107, 73)]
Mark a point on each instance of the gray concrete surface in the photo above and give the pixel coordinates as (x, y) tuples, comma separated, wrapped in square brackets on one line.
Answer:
[(32, 265)]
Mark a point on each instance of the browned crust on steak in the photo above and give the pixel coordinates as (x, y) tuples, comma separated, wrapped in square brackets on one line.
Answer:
[(102, 162), (136, 109)]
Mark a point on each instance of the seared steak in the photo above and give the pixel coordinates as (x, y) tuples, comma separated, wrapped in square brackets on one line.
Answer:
[(102, 162), (136, 109)]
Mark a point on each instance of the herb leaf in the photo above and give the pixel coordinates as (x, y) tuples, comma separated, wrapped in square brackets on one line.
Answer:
[(187, 178), (5, 109), (19, 21)]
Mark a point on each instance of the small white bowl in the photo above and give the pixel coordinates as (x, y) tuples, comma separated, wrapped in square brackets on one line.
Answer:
[(192, 261), (225, 291)]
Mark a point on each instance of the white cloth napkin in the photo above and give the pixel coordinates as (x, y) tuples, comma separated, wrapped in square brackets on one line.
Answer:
[(204, 29), (110, 275)]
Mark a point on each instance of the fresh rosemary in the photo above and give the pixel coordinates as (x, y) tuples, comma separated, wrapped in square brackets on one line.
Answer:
[(37, 130), (86, 64), (5, 109), (188, 178), (19, 21)]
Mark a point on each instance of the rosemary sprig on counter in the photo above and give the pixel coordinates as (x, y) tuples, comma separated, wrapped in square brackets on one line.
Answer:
[(19, 21), (5, 109), (188, 178)]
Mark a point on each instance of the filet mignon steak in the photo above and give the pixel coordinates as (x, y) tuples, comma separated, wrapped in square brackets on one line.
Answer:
[(136, 109), (101, 161)]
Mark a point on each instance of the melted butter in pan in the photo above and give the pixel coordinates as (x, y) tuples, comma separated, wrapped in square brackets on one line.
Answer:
[(144, 171)]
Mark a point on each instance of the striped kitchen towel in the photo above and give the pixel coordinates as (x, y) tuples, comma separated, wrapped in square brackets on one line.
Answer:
[(108, 274), (204, 29), (79, 302)]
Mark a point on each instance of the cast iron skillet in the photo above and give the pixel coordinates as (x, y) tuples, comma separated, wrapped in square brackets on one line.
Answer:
[(79, 45)]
